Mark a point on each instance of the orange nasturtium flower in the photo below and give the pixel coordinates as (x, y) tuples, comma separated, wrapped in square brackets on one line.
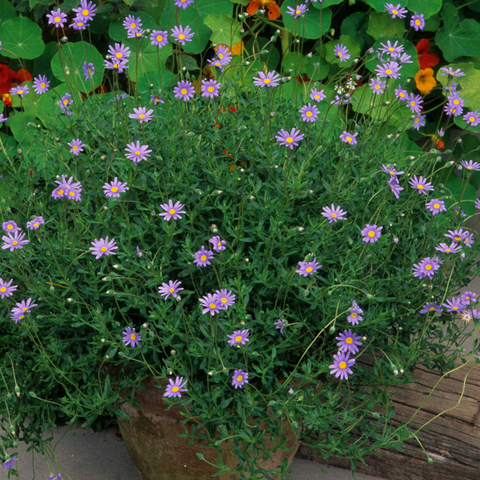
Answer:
[(425, 81), (272, 7), (425, 59), (438, 143), (237, 49)]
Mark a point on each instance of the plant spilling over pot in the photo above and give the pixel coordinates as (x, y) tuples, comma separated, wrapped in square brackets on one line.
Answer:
[(243, 238)]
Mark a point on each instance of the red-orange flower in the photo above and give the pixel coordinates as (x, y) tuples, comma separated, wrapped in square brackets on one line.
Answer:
[(272, 7), (12, 79), (425, 59)]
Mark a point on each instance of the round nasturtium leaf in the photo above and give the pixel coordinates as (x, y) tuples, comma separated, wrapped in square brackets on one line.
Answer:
[(7, 11), (118, 32), (427, 7), (352, 46), (67, 65), (307, 25), (21, 38), (382, 24), (145, 58), (225, 29)]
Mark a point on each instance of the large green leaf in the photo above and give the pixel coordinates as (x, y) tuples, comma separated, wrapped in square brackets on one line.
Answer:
[(28, 102), (461, 194), (49, 107), (379, 5), (457, 38), (352, 46), (308, 25), (67, 65), (381, 25), (118, 32), (427, 7), (7, 11), (470, 84), (22, 37), (22, 126), (225, 30), (146, 59), (355, 26), (43, 64)]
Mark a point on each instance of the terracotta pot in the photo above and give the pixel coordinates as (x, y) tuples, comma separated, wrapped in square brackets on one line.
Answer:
[(160, 454)]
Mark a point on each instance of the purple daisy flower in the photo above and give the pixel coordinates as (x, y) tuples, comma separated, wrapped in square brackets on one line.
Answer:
[(468, 240), (224, 54), (210, 88), (132, 24), (137, 152), (24, 306), (377, 85), (389, 70), (451, 109), (170, 288), (79, 24), (114, 189), (341, 365), (184, 90), (203, 257), (86, 10), (317, 95), (456, 235), (454, 73), (211, 304), (225, 298), (238, 337), (349, 138), (216, 62), (135, 34), (470, 165), (41, 84), (2, 118), (9, 463), (218, 244), (6, 288), (348, 342), (10, 226), (182, 35), (395, 187), (468, 297), (444, 248), (341, 52), (35, 223), (280, 324), (393, 50), (426, 268), (420, 184), (414, 102), (14, 241), (76, 146), (436, 206), (131, 338), (419, 121), (16, 317), (431, 307), (334, 213), (239, 379), (64, 102), (159, 38), (103, 247), (115, 64), (88, 70), (139, 253), (289, 139), (56, 17), (175, 389), (417, 22), (355, 312), (308, 268), (119, 51), (309, 113), (454, 305), (156, 99), (455, 100), (472, 118), (298, 11), (392, 171), (397, 11), (21, 90), (371, 233), (271, 79), (141, 114), (172, 211), (401, 94), (183, 3)]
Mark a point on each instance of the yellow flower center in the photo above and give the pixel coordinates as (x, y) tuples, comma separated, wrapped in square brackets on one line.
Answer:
[(42, 85), (308, 269), (391, 49), (456, 101), (454, 308), (342, 365), (21, 316), (239, 378), (65, 102), (104, 249), (467, 298), (3, 289), (175, 389), (224, 300), (395, 12), (389, 72), (36, 224), (14, 242), (72, 194), (10, 227), (457, 238), (159, 38), (75, 148), (171, 211), (472, 119), (238, 338), (354, 315), (133, 25), (447, 250), (428, 267), (418, 22), (309, 114), (470, 168), (334, 215), (402, 94), (183, 91), (339, 54), (172, 290), (431, 309), (453, 110), (371, 233), (412, 103), (181, 36), (289, 139), (114, 189), (219, 244), (57, 19), (436, 205), (349, 139), (298, 12), (141, 116), (377, 86), (210, 89), (25, 309), (60, 192), (80, 24), (349, 340), (213, 306), (266, 81), (420, 187), (133, 336), (85, 12), (203, 258), (119, 54), (20, 92), (316, 97), (220, 56)]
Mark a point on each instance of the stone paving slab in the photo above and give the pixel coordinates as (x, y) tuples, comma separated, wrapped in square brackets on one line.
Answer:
[(104, 456)]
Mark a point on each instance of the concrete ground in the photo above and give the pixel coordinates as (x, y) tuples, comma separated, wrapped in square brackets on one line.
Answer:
[(104, 456)]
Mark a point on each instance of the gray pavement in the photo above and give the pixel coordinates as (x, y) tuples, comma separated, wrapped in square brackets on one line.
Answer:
[(104, 456)]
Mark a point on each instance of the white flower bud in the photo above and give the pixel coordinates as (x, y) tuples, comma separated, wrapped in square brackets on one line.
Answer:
[(173, 352), (102, 340), (311, 192), (252, 198), (69, 299)]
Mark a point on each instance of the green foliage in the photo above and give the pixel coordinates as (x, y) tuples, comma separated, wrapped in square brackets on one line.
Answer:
[(21, 38), (470, 83), (225, 30), (427, 7), (381, 24), (313, 24)]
